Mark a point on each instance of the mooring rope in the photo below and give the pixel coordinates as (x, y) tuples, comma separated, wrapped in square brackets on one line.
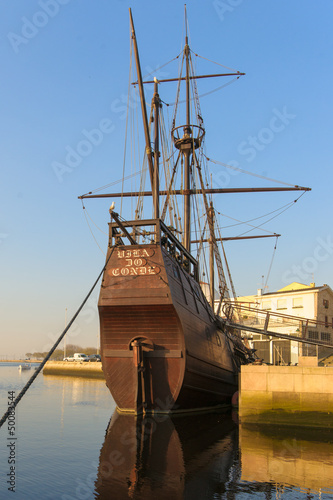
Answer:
[(34, 376)]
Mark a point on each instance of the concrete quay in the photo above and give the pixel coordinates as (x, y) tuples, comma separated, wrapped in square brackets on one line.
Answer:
[(74, 369), (286, 395)]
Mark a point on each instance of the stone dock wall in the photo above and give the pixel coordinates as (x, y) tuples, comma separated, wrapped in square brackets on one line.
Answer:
[(286, 395), (74, 368)]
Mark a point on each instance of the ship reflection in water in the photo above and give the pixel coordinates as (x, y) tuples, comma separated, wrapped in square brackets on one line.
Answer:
[(205, 457), (156, 457)]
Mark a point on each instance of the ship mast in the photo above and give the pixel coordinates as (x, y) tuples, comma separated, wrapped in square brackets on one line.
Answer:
[(186, 145), (187, 151), (153, 165), (156, 103)]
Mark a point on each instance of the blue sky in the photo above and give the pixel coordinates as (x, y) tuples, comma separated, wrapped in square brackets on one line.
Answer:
[(65, 73)]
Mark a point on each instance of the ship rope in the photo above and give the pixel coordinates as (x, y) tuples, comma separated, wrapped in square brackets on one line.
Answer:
[(126, 126), (140, 199), (196, 96), (226, 263), (119, 181), (206, 93), (47, 357), (170, 189), (223, 288), (175, 104), (86, 215), (135, 130), (154, 72), (214, 62), (274, 217), (247, 223), (200, 235), (170, 201), (239, 223), (238, 169), (271, 264)]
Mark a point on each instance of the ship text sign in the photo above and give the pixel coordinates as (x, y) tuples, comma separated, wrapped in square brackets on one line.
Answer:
[(134, 263)]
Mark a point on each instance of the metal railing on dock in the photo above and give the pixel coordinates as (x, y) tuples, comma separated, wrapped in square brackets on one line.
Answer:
[(273, 324)]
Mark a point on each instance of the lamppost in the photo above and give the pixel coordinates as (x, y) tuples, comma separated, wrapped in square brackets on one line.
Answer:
[(65, 335)]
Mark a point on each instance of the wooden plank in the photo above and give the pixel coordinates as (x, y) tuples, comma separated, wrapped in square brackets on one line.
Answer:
[(175, 353)]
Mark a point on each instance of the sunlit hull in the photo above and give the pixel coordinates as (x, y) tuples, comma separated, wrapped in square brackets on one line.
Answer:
[(161, 348)]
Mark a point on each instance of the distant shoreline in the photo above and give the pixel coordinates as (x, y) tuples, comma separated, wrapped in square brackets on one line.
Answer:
[(20, 360)]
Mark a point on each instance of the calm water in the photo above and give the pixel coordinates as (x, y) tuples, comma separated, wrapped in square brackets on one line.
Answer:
[(66, 449)]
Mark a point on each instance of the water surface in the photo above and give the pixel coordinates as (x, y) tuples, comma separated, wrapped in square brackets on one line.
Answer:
[(67, 448)]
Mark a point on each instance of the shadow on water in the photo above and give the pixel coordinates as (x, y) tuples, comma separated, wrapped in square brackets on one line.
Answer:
[(159, 457)]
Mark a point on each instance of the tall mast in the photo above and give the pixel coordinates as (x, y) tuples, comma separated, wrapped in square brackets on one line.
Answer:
[(187, 151), (186, 144), (143, 107), (156, 186)]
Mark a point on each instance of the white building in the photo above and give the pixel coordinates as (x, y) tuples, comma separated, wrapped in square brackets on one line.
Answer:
[(297, 300)]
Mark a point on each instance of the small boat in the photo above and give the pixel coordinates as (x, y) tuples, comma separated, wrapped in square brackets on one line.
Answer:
[(24, 366)]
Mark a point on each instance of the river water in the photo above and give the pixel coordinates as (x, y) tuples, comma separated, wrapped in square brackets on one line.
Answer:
[(66, 442)]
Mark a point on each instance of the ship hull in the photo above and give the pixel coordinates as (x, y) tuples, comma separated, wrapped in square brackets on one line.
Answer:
[(161, 348)]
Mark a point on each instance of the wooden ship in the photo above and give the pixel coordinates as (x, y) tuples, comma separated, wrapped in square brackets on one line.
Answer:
[(164, 345)]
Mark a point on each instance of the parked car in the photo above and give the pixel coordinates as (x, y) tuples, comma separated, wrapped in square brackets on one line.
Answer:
[(79, 356), (94, 357), (69, 358)]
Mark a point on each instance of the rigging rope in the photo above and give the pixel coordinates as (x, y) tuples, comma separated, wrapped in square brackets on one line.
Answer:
[(47, 357), (126, 126), (257, 227), (160, 67), (92, 234), (175, 104), (248, 172), (285, 207), (203, 95), (270, 266), (139, 172), (86, 212), (214, 62), (239, 223)]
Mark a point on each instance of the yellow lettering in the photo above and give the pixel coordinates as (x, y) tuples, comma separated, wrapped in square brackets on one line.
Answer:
[(138, 262), (129, 262)]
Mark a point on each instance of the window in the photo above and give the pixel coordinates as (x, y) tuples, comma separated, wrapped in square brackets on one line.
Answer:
[(282, 304), (326, 336), (326, 322), (266, 305), (297, 302), (325, 303), (312, 334)]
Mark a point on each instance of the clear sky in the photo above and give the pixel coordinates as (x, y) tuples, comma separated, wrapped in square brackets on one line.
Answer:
[(65, 72)]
